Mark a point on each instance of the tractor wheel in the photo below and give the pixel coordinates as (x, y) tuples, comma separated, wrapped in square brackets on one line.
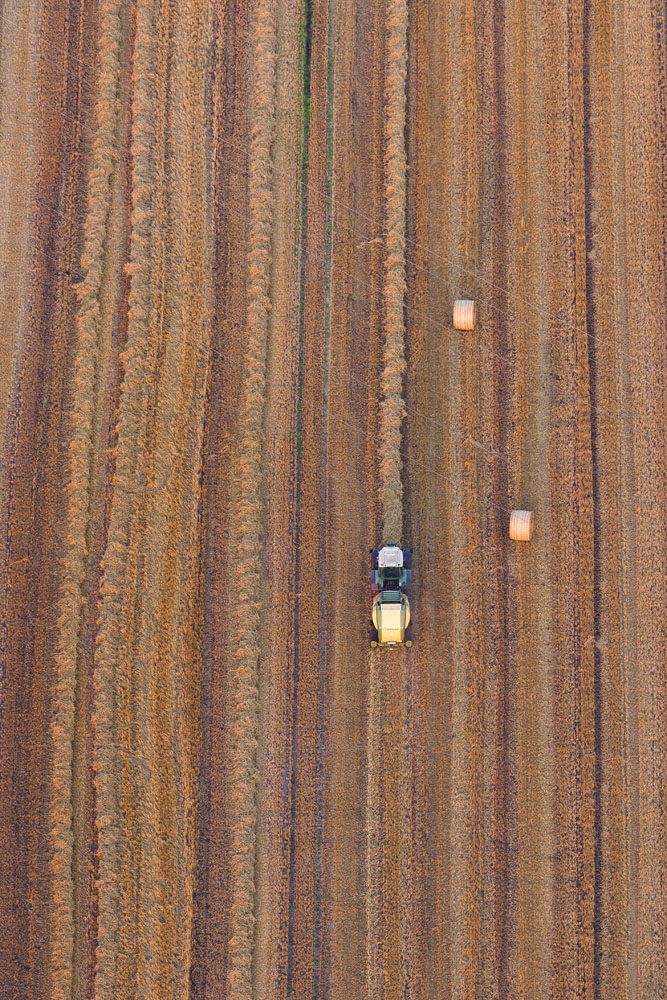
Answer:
[(521, 525), (409, 642), (407, 558), (465, 314), (373, 643)]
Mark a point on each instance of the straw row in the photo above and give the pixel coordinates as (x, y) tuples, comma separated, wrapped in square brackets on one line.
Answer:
[(104, 155), (392, 409), (250, 514)]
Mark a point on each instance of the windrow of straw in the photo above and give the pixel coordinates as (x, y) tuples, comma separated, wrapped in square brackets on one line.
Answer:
[(250, 512), (392, 410), (165, 653), (117, 695), (195, 268), (104, 155), (146, 764)]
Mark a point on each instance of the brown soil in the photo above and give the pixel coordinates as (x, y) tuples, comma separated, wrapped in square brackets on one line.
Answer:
[(215, 263)]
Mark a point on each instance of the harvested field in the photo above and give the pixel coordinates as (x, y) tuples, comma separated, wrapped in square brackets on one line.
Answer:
[(232, 237)]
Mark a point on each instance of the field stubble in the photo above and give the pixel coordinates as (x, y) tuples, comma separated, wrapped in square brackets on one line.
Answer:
[(209, 783)]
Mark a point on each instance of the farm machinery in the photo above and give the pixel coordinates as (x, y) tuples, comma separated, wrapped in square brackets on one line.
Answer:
[(390, 579)]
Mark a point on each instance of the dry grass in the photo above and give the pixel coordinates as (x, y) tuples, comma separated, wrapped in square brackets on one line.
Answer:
[(104, 155), (113, 656), (179, 445), (250, 515), (17, 180), (392, 410)]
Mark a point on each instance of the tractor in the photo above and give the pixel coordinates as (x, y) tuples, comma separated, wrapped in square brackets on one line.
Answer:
[(390, 579)]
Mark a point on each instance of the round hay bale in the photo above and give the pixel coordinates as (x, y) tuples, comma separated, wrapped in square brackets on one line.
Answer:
[(521, 525), (465, 314)]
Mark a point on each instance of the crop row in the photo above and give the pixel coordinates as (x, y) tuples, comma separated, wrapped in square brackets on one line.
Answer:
[(249, 514)]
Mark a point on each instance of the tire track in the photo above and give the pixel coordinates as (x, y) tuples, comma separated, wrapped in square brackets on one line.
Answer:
[(604, 429), (613, 964), (307, 738)]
